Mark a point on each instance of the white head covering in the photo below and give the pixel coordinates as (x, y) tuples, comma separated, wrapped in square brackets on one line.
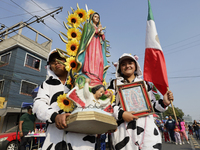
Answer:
[(49, 71), (128, 56)]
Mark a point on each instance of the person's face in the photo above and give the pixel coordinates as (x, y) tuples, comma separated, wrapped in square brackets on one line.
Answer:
[(170, 117), (95, 19), (30, 111), (127, 67), (100, 92), (57, 67)]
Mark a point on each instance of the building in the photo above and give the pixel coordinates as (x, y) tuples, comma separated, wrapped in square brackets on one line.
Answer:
[(22, 69), (188, 119)]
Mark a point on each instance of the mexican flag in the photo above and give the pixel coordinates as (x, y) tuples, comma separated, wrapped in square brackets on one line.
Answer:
[(155, 70)]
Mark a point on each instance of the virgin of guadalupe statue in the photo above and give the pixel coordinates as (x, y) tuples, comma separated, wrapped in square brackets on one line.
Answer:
[(91, 55)]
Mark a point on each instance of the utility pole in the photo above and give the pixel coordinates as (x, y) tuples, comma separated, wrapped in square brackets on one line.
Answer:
[(26, 24)]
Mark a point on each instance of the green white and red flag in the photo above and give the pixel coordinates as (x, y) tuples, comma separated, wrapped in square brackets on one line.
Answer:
[(155, 70)]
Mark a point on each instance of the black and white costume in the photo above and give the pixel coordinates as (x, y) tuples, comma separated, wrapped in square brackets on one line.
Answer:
[(46, 108), (140, 134)]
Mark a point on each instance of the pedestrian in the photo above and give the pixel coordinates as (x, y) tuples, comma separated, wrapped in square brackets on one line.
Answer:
[(177, 135), (196, 129), (46, 109), (135, 133), (166, 134), (26, 125), (170, 125), (190, 129), (181, 126)]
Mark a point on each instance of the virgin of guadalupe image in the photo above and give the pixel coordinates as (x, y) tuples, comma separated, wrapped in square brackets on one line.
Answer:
[(91, 55)]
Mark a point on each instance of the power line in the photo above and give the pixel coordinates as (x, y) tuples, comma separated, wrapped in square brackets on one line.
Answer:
[(47, 12), (39, 19)]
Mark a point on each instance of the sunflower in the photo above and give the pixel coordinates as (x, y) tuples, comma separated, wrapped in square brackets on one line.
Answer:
[(69, 81), (104, 83), (72, 47), (64, 103), (74, 33), (90, 12), (74, 19), (113, 96), (71, 64), (82, 14)]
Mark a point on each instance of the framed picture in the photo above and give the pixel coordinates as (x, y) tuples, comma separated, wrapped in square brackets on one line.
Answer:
[(134, 97)]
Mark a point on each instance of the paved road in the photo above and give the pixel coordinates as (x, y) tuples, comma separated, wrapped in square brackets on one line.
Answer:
[(194, 145)]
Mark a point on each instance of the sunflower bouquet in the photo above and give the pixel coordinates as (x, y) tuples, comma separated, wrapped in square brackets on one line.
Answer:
[(74, 26)]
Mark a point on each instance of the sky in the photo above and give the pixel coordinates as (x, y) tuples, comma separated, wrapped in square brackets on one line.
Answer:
[(177, 24)]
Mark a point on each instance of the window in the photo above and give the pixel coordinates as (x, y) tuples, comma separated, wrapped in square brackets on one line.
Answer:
[(32, 62), (4, 59), (1, 86), (27, 87)]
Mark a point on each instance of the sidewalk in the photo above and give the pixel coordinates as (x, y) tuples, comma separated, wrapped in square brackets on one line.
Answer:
[(194, 145)]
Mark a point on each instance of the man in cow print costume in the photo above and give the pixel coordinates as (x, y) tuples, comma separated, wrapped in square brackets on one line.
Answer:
[(135, 133), (46, 109)]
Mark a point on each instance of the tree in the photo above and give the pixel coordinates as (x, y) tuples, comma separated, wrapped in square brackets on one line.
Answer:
[(169, 112)]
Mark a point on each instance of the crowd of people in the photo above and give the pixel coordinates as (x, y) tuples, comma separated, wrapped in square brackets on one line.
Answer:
[(177, 132), (133, 132)]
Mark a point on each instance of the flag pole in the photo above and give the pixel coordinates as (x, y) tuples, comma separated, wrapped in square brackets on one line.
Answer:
[(173, 108)]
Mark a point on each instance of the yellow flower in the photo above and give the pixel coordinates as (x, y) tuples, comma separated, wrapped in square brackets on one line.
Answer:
[(71, 64), (72, 47), (69, 80), (64, 103), (104, 83), (82, 14), (74, 33), (113, 95), (90, 12), (74, 19)]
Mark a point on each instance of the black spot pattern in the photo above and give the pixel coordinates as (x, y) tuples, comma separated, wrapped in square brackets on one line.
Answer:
[(48, 96), (61, 146), (41, 85), (136, 143), (132, 125), (60, 111), (139, 130), (119, 122), (158, 146), (50, 146), (52, 81), (36, 99), (89, 138), (122, 144), (55, 96), (70, 146), (155, 131)]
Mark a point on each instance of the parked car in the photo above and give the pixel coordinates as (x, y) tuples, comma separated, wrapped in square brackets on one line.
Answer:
[(8, 140)]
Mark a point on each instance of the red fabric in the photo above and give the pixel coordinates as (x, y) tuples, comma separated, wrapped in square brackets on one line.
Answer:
[(94, 65), (76, 99), (166, 135), (155, 69)]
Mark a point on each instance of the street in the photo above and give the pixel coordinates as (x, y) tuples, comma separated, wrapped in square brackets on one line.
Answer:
[(194, 145)]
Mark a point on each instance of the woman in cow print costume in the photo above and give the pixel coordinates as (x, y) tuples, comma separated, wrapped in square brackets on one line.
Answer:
[(46, 109), (135, 133)]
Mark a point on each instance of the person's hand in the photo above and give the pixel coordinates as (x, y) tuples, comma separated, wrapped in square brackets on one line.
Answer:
[(167, 98), (108, 94), (21, 134), (99, 28), (60, 120), (128, 116), (87, 80)]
